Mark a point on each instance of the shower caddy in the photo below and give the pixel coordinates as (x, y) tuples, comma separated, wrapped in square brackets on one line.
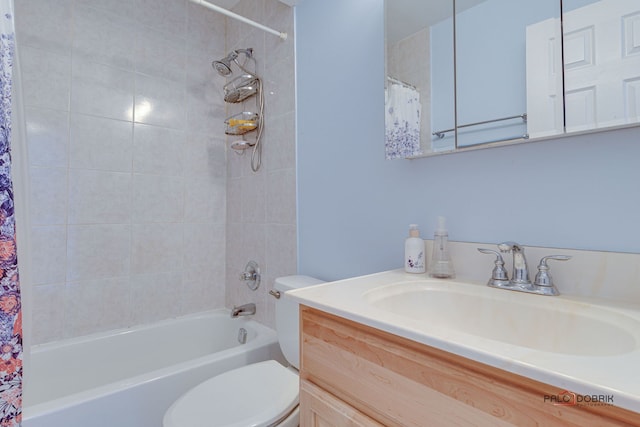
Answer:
[(241, 88), (236, 91)]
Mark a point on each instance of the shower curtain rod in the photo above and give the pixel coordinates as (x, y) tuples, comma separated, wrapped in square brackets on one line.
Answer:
[(233, 15)]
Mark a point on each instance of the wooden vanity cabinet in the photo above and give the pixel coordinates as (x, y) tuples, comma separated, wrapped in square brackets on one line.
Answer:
[(355, 375)]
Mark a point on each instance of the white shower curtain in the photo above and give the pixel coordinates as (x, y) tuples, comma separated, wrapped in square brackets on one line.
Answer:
[(402, 121), (11, 352)]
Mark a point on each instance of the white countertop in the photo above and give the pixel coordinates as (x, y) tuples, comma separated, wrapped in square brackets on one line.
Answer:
[(616, 374)]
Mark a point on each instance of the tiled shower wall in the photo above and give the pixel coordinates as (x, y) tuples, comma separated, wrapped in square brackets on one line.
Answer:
[(130, 185), (261, 207), (127, 161)]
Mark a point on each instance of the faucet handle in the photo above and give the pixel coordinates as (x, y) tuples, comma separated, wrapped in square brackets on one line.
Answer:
[(543, 278), (491, 251), (499, 275)]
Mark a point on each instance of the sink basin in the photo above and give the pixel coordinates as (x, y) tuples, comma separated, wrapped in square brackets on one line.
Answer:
[(549, 324)]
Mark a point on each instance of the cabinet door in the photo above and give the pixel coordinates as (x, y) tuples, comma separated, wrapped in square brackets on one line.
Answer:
[(601, 64), (321, 409)]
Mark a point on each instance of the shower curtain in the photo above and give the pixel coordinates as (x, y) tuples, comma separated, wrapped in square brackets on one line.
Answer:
[(402, 121), (10, 302)]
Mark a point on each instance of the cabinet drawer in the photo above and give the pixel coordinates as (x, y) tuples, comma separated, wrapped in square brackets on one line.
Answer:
[(321, 409)]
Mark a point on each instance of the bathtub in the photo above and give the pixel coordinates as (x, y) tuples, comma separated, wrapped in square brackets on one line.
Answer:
[(129, 377)]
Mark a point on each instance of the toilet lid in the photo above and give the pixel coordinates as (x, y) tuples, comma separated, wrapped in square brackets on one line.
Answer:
[(255, 395)]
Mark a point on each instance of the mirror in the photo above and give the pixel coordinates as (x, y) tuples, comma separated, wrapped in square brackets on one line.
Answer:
[(510, 85), (601, 63), (419, 68), (497, 48)]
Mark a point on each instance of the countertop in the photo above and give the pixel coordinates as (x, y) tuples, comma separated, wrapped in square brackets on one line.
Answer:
[(616, 375)]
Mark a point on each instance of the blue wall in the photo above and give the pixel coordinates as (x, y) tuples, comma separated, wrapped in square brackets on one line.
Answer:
[(354, 206)]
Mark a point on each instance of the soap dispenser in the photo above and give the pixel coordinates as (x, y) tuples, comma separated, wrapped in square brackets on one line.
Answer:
[(441, 265), (414, 253)]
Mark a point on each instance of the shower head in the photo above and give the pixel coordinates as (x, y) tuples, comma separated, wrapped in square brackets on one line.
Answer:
[(223, 66)]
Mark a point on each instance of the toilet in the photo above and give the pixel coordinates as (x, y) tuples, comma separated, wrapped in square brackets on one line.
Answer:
[(263, 394)]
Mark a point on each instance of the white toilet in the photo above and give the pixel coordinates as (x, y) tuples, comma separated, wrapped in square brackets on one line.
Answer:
[(263, 394)]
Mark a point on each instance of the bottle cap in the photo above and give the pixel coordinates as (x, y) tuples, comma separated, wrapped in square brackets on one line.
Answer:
[(413, 230)]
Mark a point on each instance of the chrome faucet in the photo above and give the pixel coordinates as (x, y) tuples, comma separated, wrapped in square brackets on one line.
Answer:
[(520, 276), (542, 285), (243, 310)]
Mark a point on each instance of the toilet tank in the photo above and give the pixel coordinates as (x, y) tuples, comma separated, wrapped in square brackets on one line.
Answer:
[(288, 318)]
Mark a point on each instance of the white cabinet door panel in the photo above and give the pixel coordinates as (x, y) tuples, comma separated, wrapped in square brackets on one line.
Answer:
[(602, 64)]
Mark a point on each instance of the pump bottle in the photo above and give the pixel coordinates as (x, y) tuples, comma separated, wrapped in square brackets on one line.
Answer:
[(414, 253), (441, 265)]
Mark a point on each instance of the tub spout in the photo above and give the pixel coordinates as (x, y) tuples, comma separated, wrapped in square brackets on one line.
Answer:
[(243, 310)]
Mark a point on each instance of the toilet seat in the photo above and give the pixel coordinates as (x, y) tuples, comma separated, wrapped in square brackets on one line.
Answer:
[(256, 395)]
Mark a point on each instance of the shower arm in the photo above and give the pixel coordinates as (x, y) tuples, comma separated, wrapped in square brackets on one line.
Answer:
[(248, 53)]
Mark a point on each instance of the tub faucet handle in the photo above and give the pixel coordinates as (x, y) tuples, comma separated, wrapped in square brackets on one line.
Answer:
[(251, 275)]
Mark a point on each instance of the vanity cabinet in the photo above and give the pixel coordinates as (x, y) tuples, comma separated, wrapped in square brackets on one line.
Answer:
[(355, 375)]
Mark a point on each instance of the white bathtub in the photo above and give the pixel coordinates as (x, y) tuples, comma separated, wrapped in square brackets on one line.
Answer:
[(129, 377)]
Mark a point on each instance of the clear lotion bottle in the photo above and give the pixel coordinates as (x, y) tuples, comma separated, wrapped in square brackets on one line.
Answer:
[(414, 252), (441, 265)]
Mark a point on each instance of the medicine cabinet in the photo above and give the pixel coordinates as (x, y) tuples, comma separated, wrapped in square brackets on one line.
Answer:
[(498, 72)]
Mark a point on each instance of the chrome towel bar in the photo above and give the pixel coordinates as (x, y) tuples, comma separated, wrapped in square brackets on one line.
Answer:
[(441, 133)]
